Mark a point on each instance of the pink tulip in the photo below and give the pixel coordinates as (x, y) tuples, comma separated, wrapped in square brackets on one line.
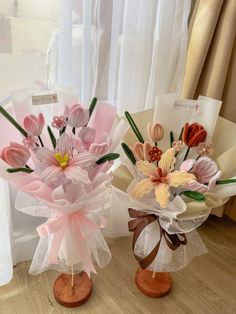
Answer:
[(15, 155), (77, 116), (206, 172), (34, 125)]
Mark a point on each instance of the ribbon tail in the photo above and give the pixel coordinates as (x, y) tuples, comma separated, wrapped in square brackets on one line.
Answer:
[(84, 251)]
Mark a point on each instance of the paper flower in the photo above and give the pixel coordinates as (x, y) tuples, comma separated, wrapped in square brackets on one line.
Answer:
[(62, 162), (141, 151), (193, 134), (155, 154), (205, 149), (177, 145), (205, 171), (161, 178), (30, 141), (77, 116), (34, 125), (59, 122), (155, 132), (15, 155)]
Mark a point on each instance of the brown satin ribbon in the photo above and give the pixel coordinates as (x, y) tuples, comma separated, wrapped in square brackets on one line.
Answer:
[(139, 223)]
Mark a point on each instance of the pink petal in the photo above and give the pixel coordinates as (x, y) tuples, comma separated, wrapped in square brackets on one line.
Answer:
[(41, 122), (204, 168), (64, 145), (87, 135), (187, 165), (50, 173), (212, 182), (196, 186), (76, 174), (98, 149), (45, 155), (84, 160)]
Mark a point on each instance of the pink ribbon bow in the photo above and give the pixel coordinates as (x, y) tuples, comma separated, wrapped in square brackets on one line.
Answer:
[(58, 226)]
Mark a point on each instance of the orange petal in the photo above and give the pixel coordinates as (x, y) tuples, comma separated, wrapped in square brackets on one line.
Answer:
[(162, 194), (178, 178), (146, 168), (138, 151), (167, 161), (143, 187)]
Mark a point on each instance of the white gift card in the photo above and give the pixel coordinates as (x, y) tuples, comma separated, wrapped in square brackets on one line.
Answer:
[(172, 113)]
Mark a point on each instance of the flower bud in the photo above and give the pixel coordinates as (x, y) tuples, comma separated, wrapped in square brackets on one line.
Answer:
[(194, 134), (34, 125), (155, 132), (15, 155)]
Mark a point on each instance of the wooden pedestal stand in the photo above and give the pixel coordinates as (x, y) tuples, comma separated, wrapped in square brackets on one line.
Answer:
[(154, 285), (72, 290)]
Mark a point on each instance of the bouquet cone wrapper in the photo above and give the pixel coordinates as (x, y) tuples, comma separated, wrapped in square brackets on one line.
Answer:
[(182, 215)]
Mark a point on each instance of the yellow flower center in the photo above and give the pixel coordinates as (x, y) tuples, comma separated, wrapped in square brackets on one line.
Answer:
[(63, 161)]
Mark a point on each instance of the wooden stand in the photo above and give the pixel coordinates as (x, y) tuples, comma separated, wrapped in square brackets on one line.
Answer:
[(153, 286), (72, 295)]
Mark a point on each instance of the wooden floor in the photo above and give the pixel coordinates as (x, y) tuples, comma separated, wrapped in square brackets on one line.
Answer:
[(207, 285)]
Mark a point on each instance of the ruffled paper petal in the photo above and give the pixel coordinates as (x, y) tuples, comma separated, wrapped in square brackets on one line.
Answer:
[(162, 194), (178, 178), (76, 174), (146, 168), (187, 165), (143, 187), (167, 161)]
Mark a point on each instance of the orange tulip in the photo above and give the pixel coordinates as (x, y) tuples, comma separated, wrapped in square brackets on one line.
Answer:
[(155, 132), (194, 134)]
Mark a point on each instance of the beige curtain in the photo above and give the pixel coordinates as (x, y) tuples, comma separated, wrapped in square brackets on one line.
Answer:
[(211, 60)]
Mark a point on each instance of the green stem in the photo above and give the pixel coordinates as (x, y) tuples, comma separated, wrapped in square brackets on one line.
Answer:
[(171, 138), (13, 170), (181, 133), (128, 153), (92, 106), (186, 154), (40, 140), (134, 127), (227, 181), (52, 137), (12, 121)]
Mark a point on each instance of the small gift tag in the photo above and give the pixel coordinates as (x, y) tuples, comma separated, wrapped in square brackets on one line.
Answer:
[(44, 99)]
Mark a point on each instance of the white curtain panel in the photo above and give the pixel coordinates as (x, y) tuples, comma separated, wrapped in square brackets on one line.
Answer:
[(123, 51)]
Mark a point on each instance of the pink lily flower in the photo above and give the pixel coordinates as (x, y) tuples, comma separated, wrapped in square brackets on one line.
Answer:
[(205, 171), (34, 125), (77, 116), (62, 163), (15, 155)]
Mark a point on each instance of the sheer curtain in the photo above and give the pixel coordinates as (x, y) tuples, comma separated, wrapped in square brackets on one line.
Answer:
[(123, 51)]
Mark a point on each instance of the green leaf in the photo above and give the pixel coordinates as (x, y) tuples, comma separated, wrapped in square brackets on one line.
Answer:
[(92, 106), (128, 153), (197, 196), (180, 136), (52, 137), (12, 121), (134, 127), (171, 138), (13, 170), (111, 156), (226, 181)]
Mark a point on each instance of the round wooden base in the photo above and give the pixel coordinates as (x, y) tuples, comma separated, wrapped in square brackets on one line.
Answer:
[(72, 296), (156, 287)]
